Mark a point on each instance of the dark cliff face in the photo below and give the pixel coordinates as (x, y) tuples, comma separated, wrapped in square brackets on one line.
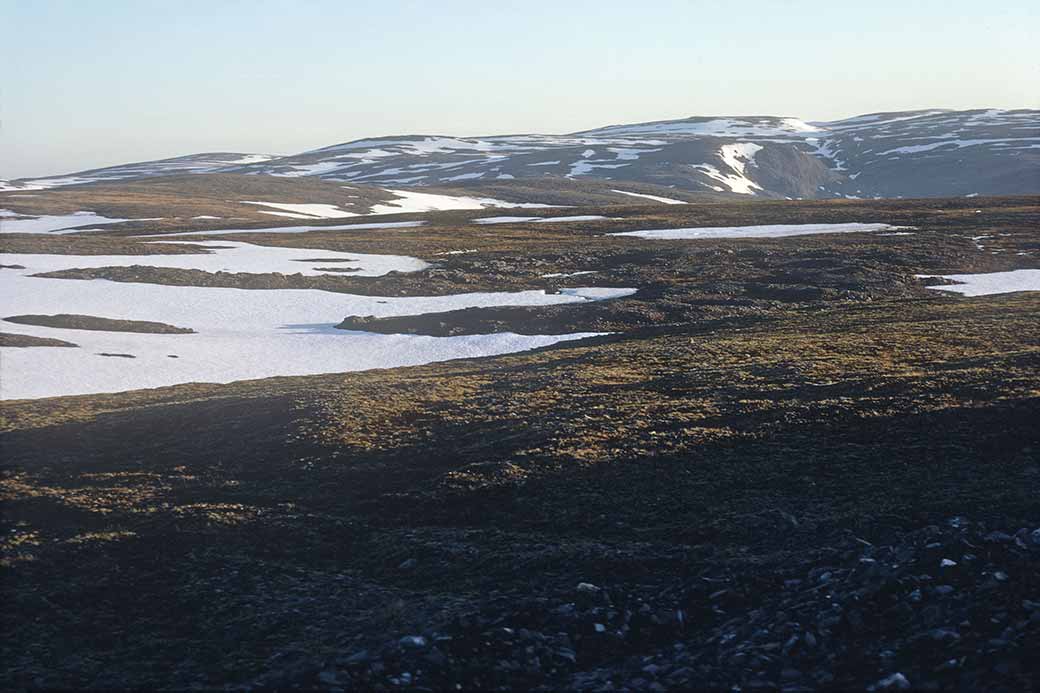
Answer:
[(791, 172)]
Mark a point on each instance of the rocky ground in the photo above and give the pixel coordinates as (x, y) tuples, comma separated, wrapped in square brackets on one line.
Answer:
[(221, 200), (897, 609), (791, 466), (92, 322), (24, 340), (174, 200)]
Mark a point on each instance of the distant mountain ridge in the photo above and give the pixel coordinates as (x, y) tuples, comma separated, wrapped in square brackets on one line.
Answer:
[(921, 153)]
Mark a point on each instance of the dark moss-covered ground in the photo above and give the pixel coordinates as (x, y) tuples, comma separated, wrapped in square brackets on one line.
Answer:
[(92, 322), (758, 479), (223, 200), (24, 340)]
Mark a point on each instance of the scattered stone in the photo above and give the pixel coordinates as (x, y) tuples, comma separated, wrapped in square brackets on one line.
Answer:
[(768, 636), (894, 682), (412, 642)]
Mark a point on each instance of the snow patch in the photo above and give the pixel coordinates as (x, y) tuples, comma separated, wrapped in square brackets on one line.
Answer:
[(252, 159), (536, 220), (655, 198), (49, 223), (555, 275), (305, 211), (959, 144), (736, 182), (580, 168), (737, 156), (300, 170), (629, 153), (226, 256), (989, 283), (413, 201), (715, 127), (296, 229), (764, 231)]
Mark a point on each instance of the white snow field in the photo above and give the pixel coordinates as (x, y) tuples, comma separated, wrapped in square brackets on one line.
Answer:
[(304, 211), (989, 283), (295, 229), (558, 275), (48, 223), (412, 201), (737, 156), (655, 198), (767, 231), (241, 334), (713, 127), (736, 182), (227, 256)]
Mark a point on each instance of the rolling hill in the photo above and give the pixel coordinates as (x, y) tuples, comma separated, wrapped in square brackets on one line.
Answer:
[(901, 154)]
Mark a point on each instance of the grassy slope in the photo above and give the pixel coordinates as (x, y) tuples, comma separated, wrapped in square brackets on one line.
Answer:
[(175, 199), (169, 203)]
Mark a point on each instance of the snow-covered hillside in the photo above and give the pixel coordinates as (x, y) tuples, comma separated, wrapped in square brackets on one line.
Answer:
[(913, 153), (929, 153), (211, 162)]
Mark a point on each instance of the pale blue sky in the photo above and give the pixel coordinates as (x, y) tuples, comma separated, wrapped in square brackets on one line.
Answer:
[(90, 83)]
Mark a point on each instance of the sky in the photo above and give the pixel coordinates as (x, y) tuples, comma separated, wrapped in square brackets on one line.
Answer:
[(89, 84)]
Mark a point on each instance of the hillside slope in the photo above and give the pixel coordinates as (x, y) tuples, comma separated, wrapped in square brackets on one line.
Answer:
[(902, 154)]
